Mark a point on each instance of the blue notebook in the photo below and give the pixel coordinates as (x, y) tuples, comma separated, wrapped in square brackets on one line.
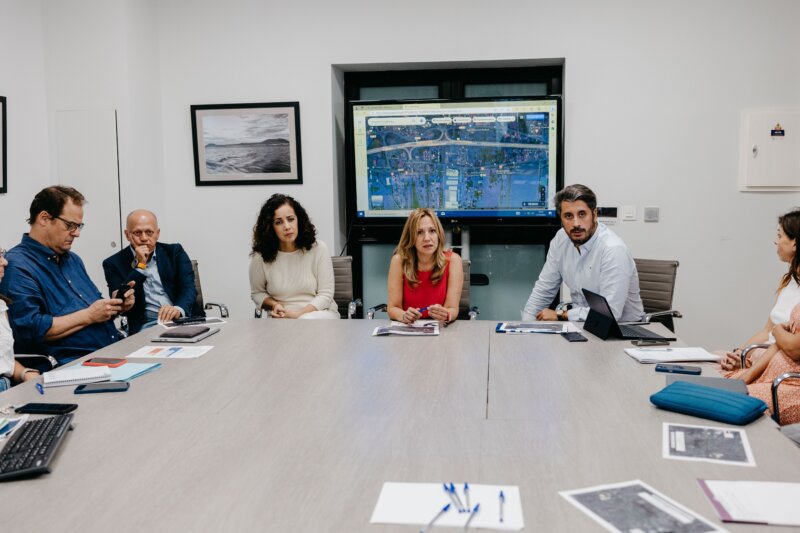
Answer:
[(130, 371)]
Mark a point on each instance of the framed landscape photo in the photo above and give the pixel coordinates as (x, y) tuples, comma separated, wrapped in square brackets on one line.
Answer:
[(3, 166), (247, 144)]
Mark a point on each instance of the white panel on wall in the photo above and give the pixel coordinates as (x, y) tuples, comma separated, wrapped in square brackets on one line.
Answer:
[(86, 155), (770, 150)]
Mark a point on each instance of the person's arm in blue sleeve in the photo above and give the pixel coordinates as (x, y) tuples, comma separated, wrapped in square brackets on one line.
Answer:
[(547, 286), (27, 311)]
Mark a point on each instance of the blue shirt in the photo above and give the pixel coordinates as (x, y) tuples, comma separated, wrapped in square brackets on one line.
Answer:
[(43, 285), (602, 264)]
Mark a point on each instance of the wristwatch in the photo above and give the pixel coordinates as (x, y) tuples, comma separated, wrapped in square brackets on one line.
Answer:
[(140, 266), (562, 314)]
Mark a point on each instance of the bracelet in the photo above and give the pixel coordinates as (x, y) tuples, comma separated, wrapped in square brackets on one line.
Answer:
[(22, 374)]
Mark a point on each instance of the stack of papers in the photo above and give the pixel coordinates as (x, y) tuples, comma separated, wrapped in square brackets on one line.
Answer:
[(169, 352), (755, 502), (670, 355), (420, 327)]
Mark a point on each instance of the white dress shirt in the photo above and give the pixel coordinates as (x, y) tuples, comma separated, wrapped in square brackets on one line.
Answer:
[(603, 265)]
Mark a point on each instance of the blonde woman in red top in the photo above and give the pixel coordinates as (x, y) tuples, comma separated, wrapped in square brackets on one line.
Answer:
[(425, 280)]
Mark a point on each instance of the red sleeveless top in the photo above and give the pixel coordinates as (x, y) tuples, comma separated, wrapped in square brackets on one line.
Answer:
[(425, 293)]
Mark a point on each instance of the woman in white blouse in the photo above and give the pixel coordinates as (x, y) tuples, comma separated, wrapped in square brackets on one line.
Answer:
[(788, 294), (291, 273), (10, 369)]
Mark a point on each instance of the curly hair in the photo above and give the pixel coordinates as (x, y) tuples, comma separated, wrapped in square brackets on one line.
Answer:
[(266, 242), (407, 250), (790, 224)]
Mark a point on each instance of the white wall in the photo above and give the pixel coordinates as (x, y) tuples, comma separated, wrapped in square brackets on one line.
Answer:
[(22, 81), (653, 93)]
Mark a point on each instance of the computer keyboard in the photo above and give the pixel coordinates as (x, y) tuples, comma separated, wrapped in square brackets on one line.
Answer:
[(30, 449), (637, 332)]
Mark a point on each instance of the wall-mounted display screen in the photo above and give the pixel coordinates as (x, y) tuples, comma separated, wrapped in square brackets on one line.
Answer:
[(467, 159)]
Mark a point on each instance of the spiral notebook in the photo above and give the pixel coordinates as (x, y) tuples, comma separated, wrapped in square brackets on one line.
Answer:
[(76, 375)]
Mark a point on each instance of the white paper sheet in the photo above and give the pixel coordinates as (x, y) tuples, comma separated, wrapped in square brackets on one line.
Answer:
[(670, 355), (537, 327), (418, 503), (170, 352), (762, 502), (419, 328)]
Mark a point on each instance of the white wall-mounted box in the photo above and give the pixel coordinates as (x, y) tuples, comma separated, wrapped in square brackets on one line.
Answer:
[(769, 150)]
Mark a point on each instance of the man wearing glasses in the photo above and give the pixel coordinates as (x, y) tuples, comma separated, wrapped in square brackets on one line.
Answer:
[(163, 274), (56, 309)]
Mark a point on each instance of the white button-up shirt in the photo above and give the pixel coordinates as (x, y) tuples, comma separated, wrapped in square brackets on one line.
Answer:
[(603, 265)]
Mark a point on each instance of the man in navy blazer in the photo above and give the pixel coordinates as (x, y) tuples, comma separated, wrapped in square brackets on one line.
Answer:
[(164, 288)]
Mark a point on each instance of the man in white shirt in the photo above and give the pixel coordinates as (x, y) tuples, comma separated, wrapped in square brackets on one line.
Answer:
[(585, 254)]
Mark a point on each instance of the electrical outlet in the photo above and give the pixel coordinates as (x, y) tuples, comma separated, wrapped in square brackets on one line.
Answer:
[(651, 214), (628, 212)]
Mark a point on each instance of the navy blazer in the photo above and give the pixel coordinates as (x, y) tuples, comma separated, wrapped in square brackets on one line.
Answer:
[(177, 276)]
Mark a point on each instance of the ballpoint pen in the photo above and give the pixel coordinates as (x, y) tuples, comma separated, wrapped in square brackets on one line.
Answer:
[(466, 494), (458, 500), (435, 518), (471, 516), (451, 496), (40, 388), (502, 503)]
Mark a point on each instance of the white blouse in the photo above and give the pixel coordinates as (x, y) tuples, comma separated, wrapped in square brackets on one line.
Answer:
[(6, 343)]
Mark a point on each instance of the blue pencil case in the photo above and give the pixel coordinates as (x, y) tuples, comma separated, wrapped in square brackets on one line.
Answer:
[(708, 402)]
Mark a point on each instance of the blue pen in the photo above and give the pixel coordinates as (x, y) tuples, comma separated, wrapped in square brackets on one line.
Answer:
[(451, 496), (502, 502), (458, 500), (423, 309), (471, 516), (435, 518), (466, 494), (40, 388)]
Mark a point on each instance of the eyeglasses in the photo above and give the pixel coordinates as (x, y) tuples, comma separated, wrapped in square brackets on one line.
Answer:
[(139, 233), (71, 226)]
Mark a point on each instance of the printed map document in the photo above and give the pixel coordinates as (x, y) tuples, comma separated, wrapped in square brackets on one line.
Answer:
[(636, 506), (420, 327), (758, 502), (728, 446)]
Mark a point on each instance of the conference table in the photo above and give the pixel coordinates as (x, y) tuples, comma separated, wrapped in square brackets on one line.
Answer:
[(295, 426)]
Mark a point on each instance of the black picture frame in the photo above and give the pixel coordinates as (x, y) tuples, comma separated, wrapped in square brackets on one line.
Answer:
[(3, 150), (247, 144)]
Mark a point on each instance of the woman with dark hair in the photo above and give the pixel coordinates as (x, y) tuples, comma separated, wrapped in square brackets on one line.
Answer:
[(425, 280), (291, 273), (10, 369), (788, 291)]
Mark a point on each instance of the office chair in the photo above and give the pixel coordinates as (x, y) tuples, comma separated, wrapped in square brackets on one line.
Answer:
[(342, 289), (776, 416), (464, 309), (657, 287), (223, 309)]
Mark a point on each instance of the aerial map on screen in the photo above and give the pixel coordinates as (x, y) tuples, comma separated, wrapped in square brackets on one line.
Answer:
[(477, 159)]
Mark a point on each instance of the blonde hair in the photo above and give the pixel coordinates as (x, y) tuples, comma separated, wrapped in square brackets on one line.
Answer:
[(407, 250)]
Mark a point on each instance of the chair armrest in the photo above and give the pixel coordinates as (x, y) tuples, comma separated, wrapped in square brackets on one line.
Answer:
[(749, 349), (473, 313), (780, 379), (352, 307), (259, 311), (42, 363), (372, 310), (672, 313), (223, 309), (564, 306)]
